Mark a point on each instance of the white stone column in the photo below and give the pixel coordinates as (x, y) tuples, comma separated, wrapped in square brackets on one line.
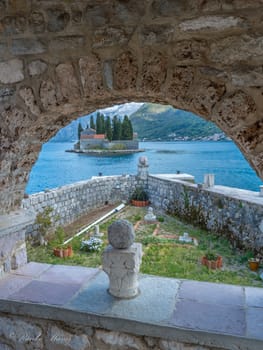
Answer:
[(143, 167), (122, 260), (209, 180)]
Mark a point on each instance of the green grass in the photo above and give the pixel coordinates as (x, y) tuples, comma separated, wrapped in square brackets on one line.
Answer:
[(165, 256)]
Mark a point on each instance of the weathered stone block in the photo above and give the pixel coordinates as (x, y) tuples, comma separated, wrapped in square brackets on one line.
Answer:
[(67, 81), (37, 22), (13, 24), (27, 95), (211, 23), (48, 94), (21, 333), (19, 257), (237, 49), (58, 337), (27, 46), (117, 341), (37, 67), (157, 34), (125, 71), (58, 19), (6, 92), (111, 36), (169, 8), (180, 83), (91, 76), (11, 71), (67, 43), (154, 71)]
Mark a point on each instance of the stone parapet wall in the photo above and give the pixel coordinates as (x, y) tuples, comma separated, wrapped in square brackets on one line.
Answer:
[(12, 240), (71, 201), (18, 332), (236, 213)]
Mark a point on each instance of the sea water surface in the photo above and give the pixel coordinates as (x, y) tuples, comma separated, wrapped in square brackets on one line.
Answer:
[(55, 167)]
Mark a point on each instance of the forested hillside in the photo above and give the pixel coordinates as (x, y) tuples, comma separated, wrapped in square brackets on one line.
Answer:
[(153, 122)]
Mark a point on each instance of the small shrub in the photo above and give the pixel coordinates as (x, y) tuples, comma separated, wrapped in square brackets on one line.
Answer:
[(91, 245), (44, 222), (140, 194), (211, 256), (160, 218)]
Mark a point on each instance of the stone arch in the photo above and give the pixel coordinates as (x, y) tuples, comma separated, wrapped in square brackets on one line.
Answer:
[(62, 60)]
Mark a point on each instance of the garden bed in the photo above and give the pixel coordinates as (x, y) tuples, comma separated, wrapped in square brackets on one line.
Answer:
[(164, 254)]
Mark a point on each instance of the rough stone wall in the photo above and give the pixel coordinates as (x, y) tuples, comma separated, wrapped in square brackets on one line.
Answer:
[(30, 334), (71, 201), (238, 219), (62, 59), (12, 240), (12, 251)]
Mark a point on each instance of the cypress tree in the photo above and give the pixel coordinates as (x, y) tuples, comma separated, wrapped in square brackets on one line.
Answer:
[(130, 130), (103, 129), (80, 129), (98, 124), (114, 128), (92, 124), (119, 129), (127, 130), (108, 129)]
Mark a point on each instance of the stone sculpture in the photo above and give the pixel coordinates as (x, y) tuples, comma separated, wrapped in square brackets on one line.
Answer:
[(150, 217), (122, 260)]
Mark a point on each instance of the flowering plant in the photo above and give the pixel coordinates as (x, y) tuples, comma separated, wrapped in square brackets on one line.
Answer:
[(91, 245)]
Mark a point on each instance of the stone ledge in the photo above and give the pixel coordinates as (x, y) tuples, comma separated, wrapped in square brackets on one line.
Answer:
[(15, 221), (208, 314)]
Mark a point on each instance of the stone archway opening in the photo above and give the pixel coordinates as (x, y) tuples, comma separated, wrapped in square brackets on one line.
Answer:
[(83, 167), (67, 59)]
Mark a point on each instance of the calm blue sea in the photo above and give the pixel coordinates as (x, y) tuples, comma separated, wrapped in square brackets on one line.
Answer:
[(55, 167)]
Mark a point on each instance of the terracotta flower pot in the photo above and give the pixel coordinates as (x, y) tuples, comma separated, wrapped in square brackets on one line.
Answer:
[(212, 264), (137, 203), (253, 264), (58, 252), (70, 251), (65, 252)]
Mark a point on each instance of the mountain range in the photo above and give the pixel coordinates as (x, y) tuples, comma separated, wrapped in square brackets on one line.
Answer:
[(151, 122)]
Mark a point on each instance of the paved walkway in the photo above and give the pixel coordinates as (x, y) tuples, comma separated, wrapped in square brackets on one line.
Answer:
[(169, 303)]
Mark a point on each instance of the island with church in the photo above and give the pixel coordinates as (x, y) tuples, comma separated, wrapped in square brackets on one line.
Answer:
[(106, 136)]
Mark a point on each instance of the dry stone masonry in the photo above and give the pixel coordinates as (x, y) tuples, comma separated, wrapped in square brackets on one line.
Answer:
[(63, 59), (236, 213)]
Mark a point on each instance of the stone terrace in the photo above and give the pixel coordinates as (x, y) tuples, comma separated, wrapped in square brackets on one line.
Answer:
[(69, 306)]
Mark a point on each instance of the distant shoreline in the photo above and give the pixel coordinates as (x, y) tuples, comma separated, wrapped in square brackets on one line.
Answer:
[(106, 152)]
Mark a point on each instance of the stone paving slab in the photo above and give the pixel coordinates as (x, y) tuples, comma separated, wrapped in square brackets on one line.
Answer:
[(46, 293), (31, 269), (154, 303), (164, 305), (209, 317), (212, 293), (94, 297), (255, 323), (64, 274), (10, 284), (254, 297)]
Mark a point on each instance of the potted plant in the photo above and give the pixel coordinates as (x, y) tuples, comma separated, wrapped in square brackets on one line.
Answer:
[(140, 197), (212, 260), (59, 249), (253, 264)]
